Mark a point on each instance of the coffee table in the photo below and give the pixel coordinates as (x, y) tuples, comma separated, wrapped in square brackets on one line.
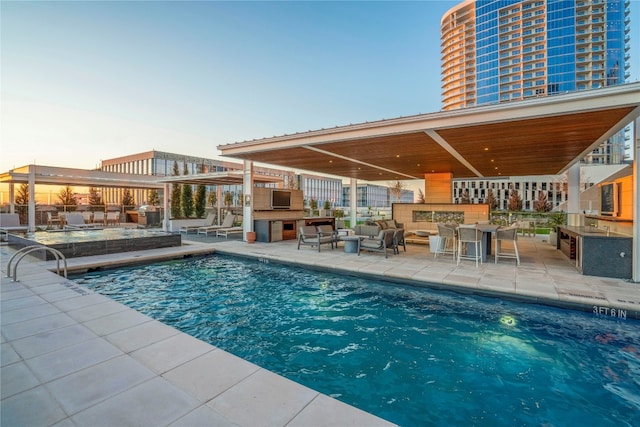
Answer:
[(351, 244)]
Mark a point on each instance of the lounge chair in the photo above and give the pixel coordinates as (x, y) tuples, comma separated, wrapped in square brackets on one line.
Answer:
[(224, 232), (309, 235), (208, 222), (99, 218), (381, 243), (52, 220), (11, 223), (227, 223), (75, 221), (112, 218)]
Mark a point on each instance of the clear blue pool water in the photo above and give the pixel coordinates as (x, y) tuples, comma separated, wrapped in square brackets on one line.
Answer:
[(415, 357)]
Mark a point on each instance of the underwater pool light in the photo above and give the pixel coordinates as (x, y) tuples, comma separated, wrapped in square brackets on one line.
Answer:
[(508, 320)]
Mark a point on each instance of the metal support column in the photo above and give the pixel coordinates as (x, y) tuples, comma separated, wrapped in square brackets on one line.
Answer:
[(166, 207), (247, 191), (353, 202), (32, 199), (574, 216)]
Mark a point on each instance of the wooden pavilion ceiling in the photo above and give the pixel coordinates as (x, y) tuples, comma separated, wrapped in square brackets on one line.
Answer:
[(536, 138)]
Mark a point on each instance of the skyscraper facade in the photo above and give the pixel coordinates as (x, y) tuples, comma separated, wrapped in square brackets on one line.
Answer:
[(504, 50)]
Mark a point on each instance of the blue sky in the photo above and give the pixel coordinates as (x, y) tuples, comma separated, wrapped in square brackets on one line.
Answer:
[(85, 81)]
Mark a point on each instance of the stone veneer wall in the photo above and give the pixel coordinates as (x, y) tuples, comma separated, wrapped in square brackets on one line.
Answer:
[(404, 213)]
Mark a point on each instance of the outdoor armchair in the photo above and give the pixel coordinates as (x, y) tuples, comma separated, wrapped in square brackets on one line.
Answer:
[(381, 243), (309, 235)]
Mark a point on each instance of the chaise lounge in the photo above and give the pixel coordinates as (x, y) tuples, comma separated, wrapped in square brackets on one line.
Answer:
[(208, 222), (227, 223), (224, 232), (11, 223), (75, 221)]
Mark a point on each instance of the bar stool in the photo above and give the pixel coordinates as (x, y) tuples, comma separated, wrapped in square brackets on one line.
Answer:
[(470, 236), (449, 236), (507, 234)]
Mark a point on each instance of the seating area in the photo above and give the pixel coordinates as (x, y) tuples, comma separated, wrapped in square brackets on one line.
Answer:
[(368, 237)]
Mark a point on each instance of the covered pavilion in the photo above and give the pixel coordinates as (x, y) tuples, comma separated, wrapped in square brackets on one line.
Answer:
[(51, 175), (542, 136)]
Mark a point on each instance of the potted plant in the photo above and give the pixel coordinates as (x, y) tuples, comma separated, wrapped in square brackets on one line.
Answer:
[(556, 219), (313, 204), (326, 208)]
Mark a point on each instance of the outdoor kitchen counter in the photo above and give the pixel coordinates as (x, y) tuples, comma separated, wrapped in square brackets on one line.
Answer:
[(596, 251)]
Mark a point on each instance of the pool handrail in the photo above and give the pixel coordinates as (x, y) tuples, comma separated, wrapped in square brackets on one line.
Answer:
[(27, 250)]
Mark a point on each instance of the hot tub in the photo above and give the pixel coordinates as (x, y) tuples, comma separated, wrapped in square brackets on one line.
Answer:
[(78, 243)]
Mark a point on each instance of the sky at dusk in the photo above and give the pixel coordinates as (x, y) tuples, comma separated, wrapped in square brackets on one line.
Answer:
[(86, 81)]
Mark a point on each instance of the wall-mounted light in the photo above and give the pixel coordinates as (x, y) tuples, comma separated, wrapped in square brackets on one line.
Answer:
[(247, 199)]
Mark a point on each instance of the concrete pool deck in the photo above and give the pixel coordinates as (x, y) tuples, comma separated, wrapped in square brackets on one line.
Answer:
[(73, 357)]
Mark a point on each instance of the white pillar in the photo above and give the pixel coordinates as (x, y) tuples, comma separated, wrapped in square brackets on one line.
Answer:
[(32, 198), (165, 207), (353, 202), (247, 191), (635, 242), (12, 196), (219, 203), (574, 216)]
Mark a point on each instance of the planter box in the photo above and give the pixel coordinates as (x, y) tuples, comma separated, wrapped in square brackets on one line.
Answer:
[(175, 224)]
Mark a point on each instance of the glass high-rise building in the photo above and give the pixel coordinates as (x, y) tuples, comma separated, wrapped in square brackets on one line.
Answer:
[(504, 50), (498, 50)]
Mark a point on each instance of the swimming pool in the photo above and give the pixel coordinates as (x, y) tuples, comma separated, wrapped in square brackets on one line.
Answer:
[(412, 356)]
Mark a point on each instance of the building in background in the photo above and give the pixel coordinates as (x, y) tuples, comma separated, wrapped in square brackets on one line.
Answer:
[(496, 51), (374, 196), (321, 189), (159, 163)]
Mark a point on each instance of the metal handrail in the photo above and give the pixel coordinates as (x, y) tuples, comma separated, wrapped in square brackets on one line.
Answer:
[(27, 250)]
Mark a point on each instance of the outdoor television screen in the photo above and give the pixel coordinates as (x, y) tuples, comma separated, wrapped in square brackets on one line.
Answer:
[(280, 199), (609, 199)]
